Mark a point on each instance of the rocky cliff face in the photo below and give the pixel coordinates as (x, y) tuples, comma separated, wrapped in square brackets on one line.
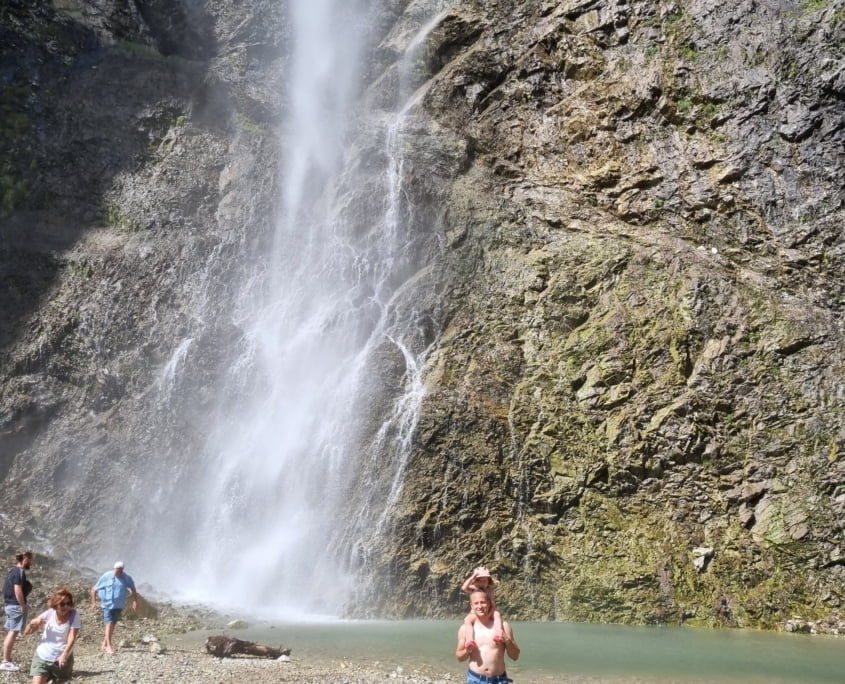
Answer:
[(126, 167), (634, 405)]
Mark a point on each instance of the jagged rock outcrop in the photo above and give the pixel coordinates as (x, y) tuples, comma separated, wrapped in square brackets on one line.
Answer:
[(637, 289), (643, 353)]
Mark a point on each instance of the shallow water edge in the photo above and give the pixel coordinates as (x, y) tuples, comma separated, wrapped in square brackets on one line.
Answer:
[(557, 652)]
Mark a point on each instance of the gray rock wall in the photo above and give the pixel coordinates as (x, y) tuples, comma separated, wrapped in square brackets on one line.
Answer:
[(634, 408), (642, 354), (144, 185)]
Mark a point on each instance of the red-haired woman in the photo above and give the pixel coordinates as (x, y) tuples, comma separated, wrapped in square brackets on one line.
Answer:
[(53, 657)]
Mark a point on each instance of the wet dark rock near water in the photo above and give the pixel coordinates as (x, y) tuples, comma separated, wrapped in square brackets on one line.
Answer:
[(637, 289)]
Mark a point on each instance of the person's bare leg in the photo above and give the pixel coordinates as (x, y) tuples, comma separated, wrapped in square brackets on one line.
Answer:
[(498, 630), (469, 631), (107, 645), (8, 644)]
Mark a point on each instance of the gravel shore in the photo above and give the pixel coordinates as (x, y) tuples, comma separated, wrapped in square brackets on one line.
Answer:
[(195, 667), (163, 643), (144, 655), (142, 664)]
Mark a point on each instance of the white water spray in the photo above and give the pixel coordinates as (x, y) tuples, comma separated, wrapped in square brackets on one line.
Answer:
[(269, 520)]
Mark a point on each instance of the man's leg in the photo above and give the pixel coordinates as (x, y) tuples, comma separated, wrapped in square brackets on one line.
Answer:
[(8, 645), (110, 618), (107, 639), (15, 618)]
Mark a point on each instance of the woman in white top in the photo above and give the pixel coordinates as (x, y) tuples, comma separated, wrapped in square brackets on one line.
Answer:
[(53, 657)]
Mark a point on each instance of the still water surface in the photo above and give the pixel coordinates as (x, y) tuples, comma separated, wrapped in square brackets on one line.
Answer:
[(558, 652)]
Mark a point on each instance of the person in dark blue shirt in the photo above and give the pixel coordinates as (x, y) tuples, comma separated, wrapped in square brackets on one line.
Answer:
[(16, 589)]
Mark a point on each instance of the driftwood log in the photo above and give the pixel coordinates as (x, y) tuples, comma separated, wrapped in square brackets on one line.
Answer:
[(226, 647)]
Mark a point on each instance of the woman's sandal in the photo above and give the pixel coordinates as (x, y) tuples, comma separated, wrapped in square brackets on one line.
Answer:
[(471, 645)]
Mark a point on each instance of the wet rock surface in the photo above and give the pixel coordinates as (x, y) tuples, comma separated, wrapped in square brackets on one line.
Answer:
[(646, 320), (637, 291)]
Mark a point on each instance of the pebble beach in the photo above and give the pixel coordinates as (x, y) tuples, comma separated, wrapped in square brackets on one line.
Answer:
[(145, 654), (194, 666)]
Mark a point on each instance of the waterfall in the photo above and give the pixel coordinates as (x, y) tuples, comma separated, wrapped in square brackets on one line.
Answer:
[(167, 379), (306, 454)]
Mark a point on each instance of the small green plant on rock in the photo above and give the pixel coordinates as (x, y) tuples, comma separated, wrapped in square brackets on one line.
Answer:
[(114, 218), (82, 270), (247, 125), (673, 19), (689, 52), (813, 5), (709, 110)]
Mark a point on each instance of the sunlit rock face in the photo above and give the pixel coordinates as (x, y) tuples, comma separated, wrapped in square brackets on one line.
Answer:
[(614, 338)]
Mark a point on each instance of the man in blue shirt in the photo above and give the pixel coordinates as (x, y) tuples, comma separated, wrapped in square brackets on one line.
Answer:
[(113, 588)]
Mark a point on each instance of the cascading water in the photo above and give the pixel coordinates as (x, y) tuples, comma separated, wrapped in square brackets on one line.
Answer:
[(309, 409)]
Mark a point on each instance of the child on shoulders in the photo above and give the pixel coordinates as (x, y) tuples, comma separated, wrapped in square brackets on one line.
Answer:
[(482, 580)]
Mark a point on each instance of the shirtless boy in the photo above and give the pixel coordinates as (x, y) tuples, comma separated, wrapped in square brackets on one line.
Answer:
[(486, 656)]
